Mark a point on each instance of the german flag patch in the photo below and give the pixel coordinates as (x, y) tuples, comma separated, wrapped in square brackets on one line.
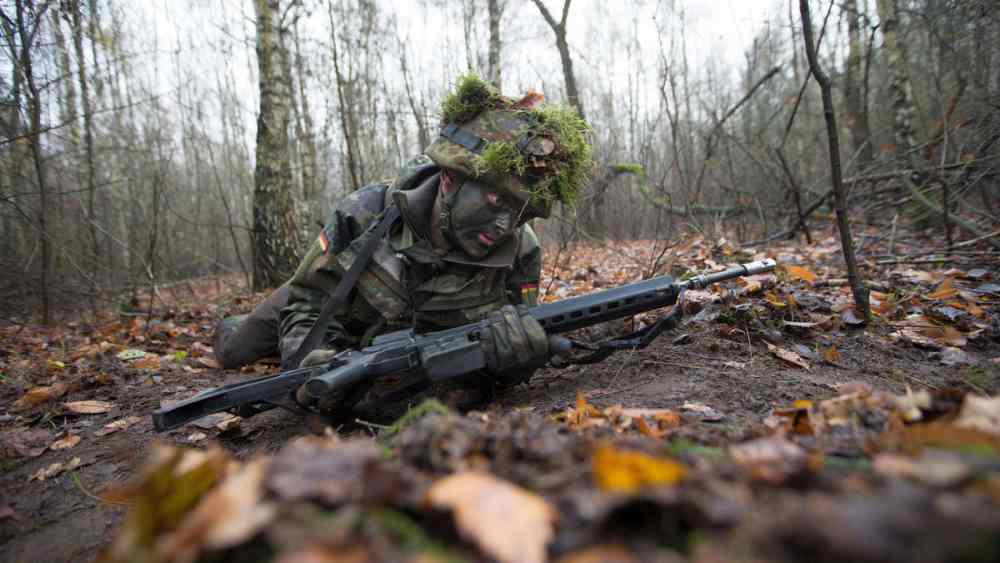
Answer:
[(323, 241), (529, 294)]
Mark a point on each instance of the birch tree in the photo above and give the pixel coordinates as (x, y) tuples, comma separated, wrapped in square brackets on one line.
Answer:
[(274, 236)]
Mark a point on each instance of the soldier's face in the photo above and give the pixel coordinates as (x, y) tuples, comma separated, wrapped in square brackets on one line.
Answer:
[(482, 217)]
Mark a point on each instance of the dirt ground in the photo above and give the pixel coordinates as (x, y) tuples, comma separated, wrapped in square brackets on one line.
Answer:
[(722, 362)]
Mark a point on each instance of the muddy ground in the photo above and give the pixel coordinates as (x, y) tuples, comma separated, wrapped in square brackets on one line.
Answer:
[(723, 362)]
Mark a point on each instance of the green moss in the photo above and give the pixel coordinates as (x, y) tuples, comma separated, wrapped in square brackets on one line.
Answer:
[(470, 98), (628, 168), (502, 158), (570, 166), (430, 406), (411, 536)]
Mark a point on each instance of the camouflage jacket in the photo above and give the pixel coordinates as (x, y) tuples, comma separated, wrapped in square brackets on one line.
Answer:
[(407, 283)]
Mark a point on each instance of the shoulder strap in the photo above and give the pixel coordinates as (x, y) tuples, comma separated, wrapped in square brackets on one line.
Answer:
[(337, 302)]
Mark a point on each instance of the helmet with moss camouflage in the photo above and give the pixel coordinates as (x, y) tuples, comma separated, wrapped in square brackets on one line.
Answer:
[(539, 152)]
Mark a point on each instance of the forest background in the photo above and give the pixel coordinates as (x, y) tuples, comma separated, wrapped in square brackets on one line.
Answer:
[(144, 143)]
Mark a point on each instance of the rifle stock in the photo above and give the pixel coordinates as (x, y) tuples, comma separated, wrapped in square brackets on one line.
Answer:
[(434, 356)]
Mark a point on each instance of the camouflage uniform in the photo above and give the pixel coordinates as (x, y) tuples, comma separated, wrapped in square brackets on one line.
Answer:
[(406, 284)]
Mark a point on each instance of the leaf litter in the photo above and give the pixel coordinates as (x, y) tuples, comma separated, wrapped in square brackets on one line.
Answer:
[(870, 472)]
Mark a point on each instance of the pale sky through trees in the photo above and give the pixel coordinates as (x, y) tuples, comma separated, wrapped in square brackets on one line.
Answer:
[(187, 42)]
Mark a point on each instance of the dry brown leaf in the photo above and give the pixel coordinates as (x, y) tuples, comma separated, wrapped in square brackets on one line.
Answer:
[(608, 553), (54, 469), (228, 515), (507, 522), (89, 407), (66, 442), (117, 425), (788, 356), (944, 291), (980, 413), (831, 355), (772, 459), (627, 471), (40, 395), (800, 273)]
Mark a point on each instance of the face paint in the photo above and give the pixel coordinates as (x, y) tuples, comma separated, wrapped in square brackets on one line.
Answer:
[(482, 217)]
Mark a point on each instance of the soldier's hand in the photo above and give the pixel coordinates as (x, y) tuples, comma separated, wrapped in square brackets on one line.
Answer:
[(514, 340), (318, 357)]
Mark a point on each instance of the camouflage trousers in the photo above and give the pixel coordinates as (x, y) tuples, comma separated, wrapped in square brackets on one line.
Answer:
[(244, 339)]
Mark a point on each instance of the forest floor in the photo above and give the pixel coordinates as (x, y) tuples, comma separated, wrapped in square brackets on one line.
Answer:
[(771, 425)]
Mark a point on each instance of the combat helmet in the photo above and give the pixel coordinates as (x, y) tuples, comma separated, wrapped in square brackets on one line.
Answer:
[(538, 152)]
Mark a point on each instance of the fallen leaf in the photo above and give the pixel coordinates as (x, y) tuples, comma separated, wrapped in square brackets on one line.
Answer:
[(491, 513), (980, 413), (788, 356), (89, 407), (773, 459), (130, 354), (196, 437), (228, 515), (607, 553), (830, 355), (703, 411), (944, 291), (24, 442), (951, 356), (936, 468), (65, 443), (627, 471), (40, 395), (800, 273), (54, 469), (117, 425)]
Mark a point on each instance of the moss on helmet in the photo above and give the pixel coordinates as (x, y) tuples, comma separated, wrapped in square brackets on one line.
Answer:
[(556, 171), (471, 97)]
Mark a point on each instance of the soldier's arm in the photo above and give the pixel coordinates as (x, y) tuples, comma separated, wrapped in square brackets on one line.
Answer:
[(319, 273), (522, 284)]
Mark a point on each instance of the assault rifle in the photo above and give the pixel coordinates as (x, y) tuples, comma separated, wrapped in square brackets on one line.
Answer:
[(447, 354)]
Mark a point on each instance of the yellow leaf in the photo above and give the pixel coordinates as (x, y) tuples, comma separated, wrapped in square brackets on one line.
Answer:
[(624, 471), (800, 273)]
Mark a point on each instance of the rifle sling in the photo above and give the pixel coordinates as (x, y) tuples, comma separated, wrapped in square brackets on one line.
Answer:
[(337, 302)]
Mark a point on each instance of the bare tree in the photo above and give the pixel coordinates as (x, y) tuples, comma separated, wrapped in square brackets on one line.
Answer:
[(495, 10), (275, 240), (559, 29), (843, 222), (855, 92)]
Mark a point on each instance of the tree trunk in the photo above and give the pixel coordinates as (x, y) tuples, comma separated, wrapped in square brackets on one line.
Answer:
[(856, 103), (900, 90), (274, 235), (310, 189), (345, 120), (840, 197), (24, 9), (495, 10), (88, 142)]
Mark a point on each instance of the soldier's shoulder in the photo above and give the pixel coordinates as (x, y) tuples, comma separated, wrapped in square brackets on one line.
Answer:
[(413, 172), (365, 202)]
